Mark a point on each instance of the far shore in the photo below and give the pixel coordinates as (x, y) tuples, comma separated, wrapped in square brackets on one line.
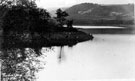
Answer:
[(107, 30)]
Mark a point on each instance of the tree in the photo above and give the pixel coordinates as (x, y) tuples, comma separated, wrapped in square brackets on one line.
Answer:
[(28, 3), (19, 21), (69, 23), (6, 4), (61, 17), (20, 18)]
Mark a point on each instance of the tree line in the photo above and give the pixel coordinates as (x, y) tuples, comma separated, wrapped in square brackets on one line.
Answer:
[(24, 27)]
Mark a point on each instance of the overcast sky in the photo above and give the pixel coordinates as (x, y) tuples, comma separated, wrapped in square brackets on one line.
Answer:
[(66, 3)]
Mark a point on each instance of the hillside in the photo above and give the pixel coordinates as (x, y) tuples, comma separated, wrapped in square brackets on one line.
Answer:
[(95, 14)]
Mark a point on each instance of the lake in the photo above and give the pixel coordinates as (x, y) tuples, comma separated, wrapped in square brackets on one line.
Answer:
[(98, 27), (109, 57)]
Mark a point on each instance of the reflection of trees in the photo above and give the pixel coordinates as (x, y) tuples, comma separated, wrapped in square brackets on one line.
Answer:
[(20, 64), (60, 55)]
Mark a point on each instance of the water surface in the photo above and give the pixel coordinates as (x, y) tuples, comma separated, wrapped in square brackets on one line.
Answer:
[(106, 58), (98, 27)]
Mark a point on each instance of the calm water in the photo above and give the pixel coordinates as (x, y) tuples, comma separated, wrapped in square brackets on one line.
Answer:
[(106, 58), (97, 27)]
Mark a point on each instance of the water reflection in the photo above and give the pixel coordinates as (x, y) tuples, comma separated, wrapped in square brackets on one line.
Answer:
[(106, 57), (61, 56)]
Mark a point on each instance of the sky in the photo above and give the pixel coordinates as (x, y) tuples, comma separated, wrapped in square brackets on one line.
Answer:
[(67, 3)]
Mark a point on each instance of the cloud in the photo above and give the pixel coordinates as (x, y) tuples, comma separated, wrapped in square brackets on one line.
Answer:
[(66, 3), (55, 3)]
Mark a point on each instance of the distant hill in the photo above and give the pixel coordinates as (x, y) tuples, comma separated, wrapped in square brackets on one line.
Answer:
[(95, 14)]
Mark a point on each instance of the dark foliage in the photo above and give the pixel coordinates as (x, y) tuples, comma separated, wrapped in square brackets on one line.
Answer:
[(26, 27), (69, 23), (61, 17), (20, 19)]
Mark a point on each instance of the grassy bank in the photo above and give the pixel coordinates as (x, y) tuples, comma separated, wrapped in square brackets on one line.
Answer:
[(67, 38), (46, 40)]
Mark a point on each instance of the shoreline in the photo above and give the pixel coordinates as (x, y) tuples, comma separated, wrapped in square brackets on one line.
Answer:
[(47, 40)]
